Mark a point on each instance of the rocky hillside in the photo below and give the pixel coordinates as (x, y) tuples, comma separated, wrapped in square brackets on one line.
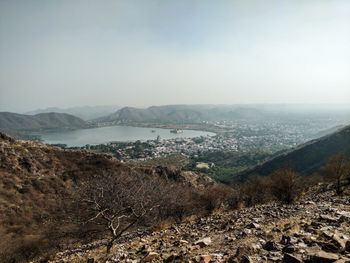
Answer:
[(37, 185), (316, 229), (307, 158), (19, 122)]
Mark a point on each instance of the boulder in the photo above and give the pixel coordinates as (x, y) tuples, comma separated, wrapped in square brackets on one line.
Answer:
[(203, 259), (289, 249), (270, 246), (203, 242), (323, 257), (339, 242), (288, 258), (150, 256), (245, 250), (347, 246), (253, 225), (245, 259), (174, 258)]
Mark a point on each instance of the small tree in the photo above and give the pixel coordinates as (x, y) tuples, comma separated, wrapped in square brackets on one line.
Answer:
[(119, 201), (337, 169), (286, 185), (216, 196), (254, 192)]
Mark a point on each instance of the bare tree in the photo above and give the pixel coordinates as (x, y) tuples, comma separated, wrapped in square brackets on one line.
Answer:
[(286, 185), (120, 201), (337, 169)]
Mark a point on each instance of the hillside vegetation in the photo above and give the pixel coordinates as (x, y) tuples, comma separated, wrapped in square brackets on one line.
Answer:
[(54, 200), (40, 207), (307, 158), (21, 122)]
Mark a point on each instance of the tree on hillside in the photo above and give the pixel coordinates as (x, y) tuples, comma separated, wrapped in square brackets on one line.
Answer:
[(119, 202), (286, 185), (336, 170), (254, 191)]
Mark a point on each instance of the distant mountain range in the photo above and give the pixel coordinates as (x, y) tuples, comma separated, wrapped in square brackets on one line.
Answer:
[(307, 158), (20, 122), (84, 112), (202, 113), (183, 114)]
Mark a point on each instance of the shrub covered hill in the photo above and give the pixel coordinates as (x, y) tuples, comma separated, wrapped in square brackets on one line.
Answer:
[(20, 122), (40, 187), (307, 158)]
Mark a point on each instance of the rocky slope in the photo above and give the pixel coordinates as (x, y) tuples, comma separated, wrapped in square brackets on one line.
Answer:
[(316, 229), (37, 183)]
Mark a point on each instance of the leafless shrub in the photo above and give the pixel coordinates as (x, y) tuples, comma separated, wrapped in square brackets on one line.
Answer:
[(216, 196), (255, 191), (336, 170), (120, 201), (285, 185)]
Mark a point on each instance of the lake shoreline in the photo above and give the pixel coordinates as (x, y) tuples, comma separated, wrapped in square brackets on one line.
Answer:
[(189, 126), (119, 133)]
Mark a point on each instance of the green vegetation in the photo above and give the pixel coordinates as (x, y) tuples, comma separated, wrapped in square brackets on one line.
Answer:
[(175, 160), (224, 165), (134, 150)]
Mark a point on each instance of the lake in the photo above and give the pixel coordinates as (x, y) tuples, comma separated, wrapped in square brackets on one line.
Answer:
[(102, 135)]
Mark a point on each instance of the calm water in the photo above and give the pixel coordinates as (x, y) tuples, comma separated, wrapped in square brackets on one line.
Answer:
[(114, 133)]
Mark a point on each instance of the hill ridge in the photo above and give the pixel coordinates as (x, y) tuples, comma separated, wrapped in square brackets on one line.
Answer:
[(306, 158)]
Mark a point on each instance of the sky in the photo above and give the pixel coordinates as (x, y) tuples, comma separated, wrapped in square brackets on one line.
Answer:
[(155, 52)]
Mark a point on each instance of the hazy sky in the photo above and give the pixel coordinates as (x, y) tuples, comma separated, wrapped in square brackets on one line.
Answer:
[(156, 52)]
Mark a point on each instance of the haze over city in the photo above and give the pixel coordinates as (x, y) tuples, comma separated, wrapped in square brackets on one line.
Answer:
[(143, 53)]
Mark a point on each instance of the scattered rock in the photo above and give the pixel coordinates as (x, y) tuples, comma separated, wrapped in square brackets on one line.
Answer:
[(254, 225), (329, 218)]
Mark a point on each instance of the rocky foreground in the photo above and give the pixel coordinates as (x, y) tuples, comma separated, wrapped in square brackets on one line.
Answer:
[(317, 229)]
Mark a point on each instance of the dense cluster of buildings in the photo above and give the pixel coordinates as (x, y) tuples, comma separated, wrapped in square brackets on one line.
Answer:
[(240, 136), (223, 142)]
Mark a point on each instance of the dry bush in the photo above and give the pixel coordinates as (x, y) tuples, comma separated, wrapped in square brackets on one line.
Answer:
[(27, 246), (178, 202), (255, 191), (336, 170), (285, 185), (217, 196), (121, 201)]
